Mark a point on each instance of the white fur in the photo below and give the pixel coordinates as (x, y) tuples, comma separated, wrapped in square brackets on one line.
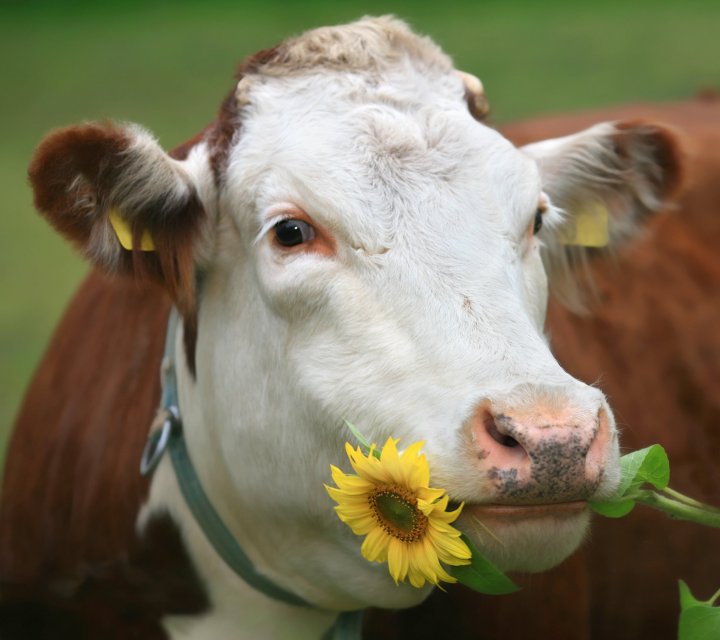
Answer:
[(434, 302)]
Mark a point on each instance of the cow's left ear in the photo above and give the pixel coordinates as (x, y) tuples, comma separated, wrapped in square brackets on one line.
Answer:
[(124, 202), (606, 180)]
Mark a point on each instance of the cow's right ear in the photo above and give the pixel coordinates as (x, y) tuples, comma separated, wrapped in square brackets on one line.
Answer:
[(607, 180), (85, 178)]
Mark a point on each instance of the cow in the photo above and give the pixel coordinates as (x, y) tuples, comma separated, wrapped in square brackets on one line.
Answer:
[(347, 240)]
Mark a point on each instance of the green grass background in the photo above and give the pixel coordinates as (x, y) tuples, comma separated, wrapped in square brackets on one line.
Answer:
[(168, 64)]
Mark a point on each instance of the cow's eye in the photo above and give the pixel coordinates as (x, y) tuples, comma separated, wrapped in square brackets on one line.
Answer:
[(290, 233), (538, 223)]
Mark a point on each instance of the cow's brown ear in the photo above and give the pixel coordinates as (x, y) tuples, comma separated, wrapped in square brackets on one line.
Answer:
[(86, 177), (606, 180)]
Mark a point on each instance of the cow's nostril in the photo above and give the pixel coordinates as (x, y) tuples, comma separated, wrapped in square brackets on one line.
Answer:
[(495, 433)]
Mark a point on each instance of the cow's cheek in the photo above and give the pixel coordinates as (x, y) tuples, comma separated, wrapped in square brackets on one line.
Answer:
[(535, 286)]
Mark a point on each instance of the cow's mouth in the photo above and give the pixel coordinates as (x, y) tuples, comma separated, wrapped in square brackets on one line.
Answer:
[(508, 512), (527, 537)]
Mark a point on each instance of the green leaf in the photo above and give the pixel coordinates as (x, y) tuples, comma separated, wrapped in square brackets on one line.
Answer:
[(364, 442), (655, 469), (645, 465), (358, 435), (629, 466), (687, 599), (649, 465), (699, 620), (699, 623), (613, 509), (481, 575)]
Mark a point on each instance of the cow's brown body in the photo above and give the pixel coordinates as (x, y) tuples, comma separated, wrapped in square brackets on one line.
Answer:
[(71, 491), (70, 563)]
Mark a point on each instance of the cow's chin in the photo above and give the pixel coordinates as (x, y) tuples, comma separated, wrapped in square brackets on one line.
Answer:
[(528, 538)]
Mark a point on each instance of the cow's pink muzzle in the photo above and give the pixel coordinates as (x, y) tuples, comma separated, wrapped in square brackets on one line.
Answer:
[(541, 455)]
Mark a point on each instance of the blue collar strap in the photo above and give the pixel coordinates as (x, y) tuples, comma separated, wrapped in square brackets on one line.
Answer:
[(169, 436)]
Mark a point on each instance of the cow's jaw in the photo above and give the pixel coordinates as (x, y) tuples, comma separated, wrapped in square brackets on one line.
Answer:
[(540, 536)]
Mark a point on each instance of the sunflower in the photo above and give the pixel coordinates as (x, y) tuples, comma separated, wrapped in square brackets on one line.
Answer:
[(405, 522)]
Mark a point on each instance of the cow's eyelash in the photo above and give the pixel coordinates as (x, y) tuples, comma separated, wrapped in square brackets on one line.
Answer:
[(553, 216), (270, 224)]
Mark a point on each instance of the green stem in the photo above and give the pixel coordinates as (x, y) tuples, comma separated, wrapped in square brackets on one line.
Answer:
[(680, 497), (715, 596), (679, 510)]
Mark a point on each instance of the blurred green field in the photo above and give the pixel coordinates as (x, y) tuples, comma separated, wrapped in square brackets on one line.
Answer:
[(168, 64)]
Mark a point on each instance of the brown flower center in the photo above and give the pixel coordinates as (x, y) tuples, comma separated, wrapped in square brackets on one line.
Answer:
[(395, 510)]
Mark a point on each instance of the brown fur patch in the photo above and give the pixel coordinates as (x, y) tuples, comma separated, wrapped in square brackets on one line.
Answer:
[(477, 106), (117, 600), (663, 146), (222, 134), (254, 63), (70, 562), (182, 151), (365, 45), (227, 126), (74, 455), (94, 151), (79, 173)]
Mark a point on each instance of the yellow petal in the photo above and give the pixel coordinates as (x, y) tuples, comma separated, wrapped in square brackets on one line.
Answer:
[(453, 515), (440, 514), (369, 468), (425, 507), (375, 546), (343, 497), (335, 493), (417, 579), (347, 511), (390, 461), (352, 519), (361, 526), (350, 483), (432, 567), (441, 503), (397, 560), (449, 548), (415, 467), (430, 494), (415, 573), (427, 561), (444, 528)]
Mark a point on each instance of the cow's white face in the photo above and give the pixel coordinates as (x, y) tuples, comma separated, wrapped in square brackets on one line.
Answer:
[(414, 307), (407, 294)]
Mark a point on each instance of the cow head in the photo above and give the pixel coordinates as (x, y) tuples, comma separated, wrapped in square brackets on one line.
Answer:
[(365, 249)]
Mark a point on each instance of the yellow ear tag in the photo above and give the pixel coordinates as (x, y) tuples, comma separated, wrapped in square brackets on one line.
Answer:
[(590, 229), (122, 231)]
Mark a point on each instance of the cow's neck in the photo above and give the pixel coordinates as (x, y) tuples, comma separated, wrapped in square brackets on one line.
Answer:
[(236, 609)]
